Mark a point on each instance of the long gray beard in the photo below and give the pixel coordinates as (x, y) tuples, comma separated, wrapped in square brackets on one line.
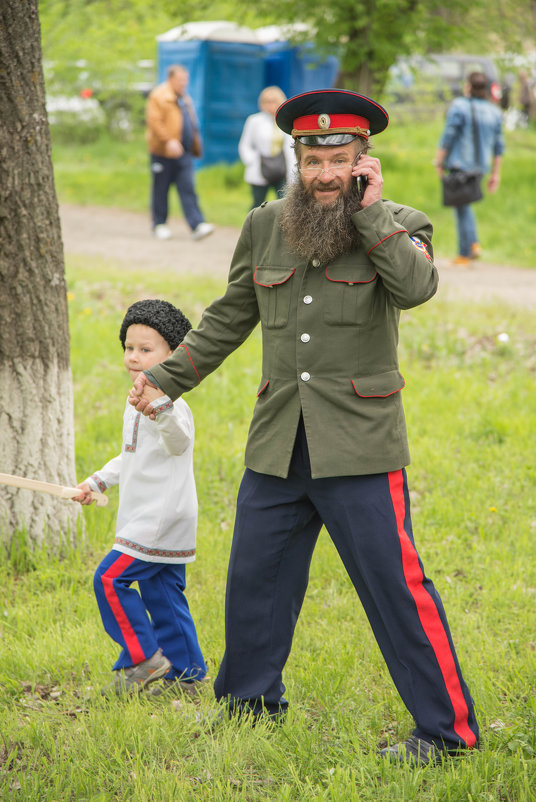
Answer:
[(315, 231)]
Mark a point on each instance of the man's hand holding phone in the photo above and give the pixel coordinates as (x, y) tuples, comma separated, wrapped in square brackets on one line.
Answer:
[(368, 173)]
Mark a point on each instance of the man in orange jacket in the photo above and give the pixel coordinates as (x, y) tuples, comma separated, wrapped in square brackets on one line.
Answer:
[(173, 140)]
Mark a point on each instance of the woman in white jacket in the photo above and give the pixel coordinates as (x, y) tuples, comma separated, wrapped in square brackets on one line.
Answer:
[(262, 141)]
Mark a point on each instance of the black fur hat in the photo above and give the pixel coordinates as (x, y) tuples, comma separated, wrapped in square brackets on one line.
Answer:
[(162, 316)]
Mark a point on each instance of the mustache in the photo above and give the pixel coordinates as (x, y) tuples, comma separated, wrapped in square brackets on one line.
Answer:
[(316, 185)]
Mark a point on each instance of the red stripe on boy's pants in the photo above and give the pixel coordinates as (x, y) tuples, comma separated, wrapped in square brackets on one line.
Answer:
[(429, 615), (131, 640)]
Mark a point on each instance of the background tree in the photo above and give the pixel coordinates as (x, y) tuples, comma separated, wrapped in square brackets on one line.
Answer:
[(36, 417), (367, 35)]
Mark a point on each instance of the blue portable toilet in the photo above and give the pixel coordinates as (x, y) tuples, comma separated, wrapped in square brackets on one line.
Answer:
[(227, 74), (295, 67)]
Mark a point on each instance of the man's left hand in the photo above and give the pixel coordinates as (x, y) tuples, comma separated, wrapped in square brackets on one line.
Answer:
[(493, 183)]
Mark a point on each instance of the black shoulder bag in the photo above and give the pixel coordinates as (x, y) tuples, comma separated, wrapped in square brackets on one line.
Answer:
[(461, 187)]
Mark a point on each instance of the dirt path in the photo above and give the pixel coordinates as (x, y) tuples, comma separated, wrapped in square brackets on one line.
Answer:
[(122, 236)]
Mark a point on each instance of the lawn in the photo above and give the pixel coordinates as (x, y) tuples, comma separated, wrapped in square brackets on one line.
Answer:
[(470, 407)]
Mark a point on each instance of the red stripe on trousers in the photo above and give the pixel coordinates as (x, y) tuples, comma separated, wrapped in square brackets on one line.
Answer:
[(428, 614), (131, 640)]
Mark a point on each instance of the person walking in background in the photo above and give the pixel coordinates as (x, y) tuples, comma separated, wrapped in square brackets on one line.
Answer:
[(526, 95), (156, 523), (457, 151), (264, 149), (173, 140)]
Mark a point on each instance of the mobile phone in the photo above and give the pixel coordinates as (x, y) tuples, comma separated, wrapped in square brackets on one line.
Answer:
[(362, 182)]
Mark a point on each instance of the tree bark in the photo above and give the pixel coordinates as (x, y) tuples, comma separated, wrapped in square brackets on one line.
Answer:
[(36, 409)]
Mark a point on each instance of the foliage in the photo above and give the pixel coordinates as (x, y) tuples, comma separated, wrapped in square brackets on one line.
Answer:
[(103, 41), (470, 406), (367, 35)]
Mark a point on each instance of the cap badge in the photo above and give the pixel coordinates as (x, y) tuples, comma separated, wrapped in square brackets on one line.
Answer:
[(324, 121)]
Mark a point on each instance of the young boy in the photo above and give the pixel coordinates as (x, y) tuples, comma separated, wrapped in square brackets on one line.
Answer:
[(156, 522)]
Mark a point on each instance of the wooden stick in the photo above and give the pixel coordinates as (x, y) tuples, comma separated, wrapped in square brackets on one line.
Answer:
[(47, 487)]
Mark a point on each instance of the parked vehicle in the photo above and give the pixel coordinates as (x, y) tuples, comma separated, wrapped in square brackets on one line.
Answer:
[(438, 76)]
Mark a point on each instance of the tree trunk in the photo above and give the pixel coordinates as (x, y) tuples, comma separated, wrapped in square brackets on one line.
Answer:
[(360, 80), (36, 417)]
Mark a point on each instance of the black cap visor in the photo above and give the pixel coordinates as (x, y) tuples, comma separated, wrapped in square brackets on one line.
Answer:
[(327, 140)]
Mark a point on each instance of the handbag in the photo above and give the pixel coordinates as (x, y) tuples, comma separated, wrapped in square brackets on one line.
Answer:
[(461, 187), (197, 148), (274, 168)]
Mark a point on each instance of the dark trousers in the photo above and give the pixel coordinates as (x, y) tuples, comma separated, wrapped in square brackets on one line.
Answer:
[(124, 613), (179, 172), (260, 191), (368, 519)]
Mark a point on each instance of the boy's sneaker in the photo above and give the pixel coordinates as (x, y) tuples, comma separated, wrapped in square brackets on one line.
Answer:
[(202, 230), (137, 678)]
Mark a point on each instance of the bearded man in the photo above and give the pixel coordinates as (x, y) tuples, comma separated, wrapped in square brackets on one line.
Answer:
[(326, 271)]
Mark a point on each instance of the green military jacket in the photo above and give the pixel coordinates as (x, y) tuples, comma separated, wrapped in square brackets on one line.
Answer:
[(330, 336)]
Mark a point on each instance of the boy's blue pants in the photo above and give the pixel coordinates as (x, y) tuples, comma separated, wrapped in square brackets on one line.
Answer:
[(124, 613)]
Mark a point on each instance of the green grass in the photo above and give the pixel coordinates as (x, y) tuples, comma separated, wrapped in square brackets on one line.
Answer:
[(471, 416), (112, 173)]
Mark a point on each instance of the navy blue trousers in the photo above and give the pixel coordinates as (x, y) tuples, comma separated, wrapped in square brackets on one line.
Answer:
[(125, 613), (368, 518), (179, 172), (260, 191)]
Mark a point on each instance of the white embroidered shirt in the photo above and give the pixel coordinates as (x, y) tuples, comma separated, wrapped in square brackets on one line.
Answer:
[(157, 515)]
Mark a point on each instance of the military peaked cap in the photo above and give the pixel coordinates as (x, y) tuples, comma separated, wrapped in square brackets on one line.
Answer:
[(330, 117)]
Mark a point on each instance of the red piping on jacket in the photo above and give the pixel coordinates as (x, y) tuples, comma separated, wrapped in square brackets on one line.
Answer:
[(346, 281), (191, 360), (402, 231), (379, 395), (275, 283)]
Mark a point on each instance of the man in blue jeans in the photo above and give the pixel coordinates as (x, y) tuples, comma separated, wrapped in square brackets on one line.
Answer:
[(461, 149), (173, 141)]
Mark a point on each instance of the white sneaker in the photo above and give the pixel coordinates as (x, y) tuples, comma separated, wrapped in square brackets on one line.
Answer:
[(161, 231), (202, 230)]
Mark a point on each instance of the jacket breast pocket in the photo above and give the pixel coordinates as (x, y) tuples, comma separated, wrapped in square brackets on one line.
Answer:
[(273, 286), (350, 293)]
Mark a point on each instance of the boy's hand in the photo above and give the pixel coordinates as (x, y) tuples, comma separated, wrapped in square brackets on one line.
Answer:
[(141, 395), (152, 393), (85, 496)]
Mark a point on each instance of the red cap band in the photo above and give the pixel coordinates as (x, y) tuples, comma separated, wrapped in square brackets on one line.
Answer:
[(313, 122)]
